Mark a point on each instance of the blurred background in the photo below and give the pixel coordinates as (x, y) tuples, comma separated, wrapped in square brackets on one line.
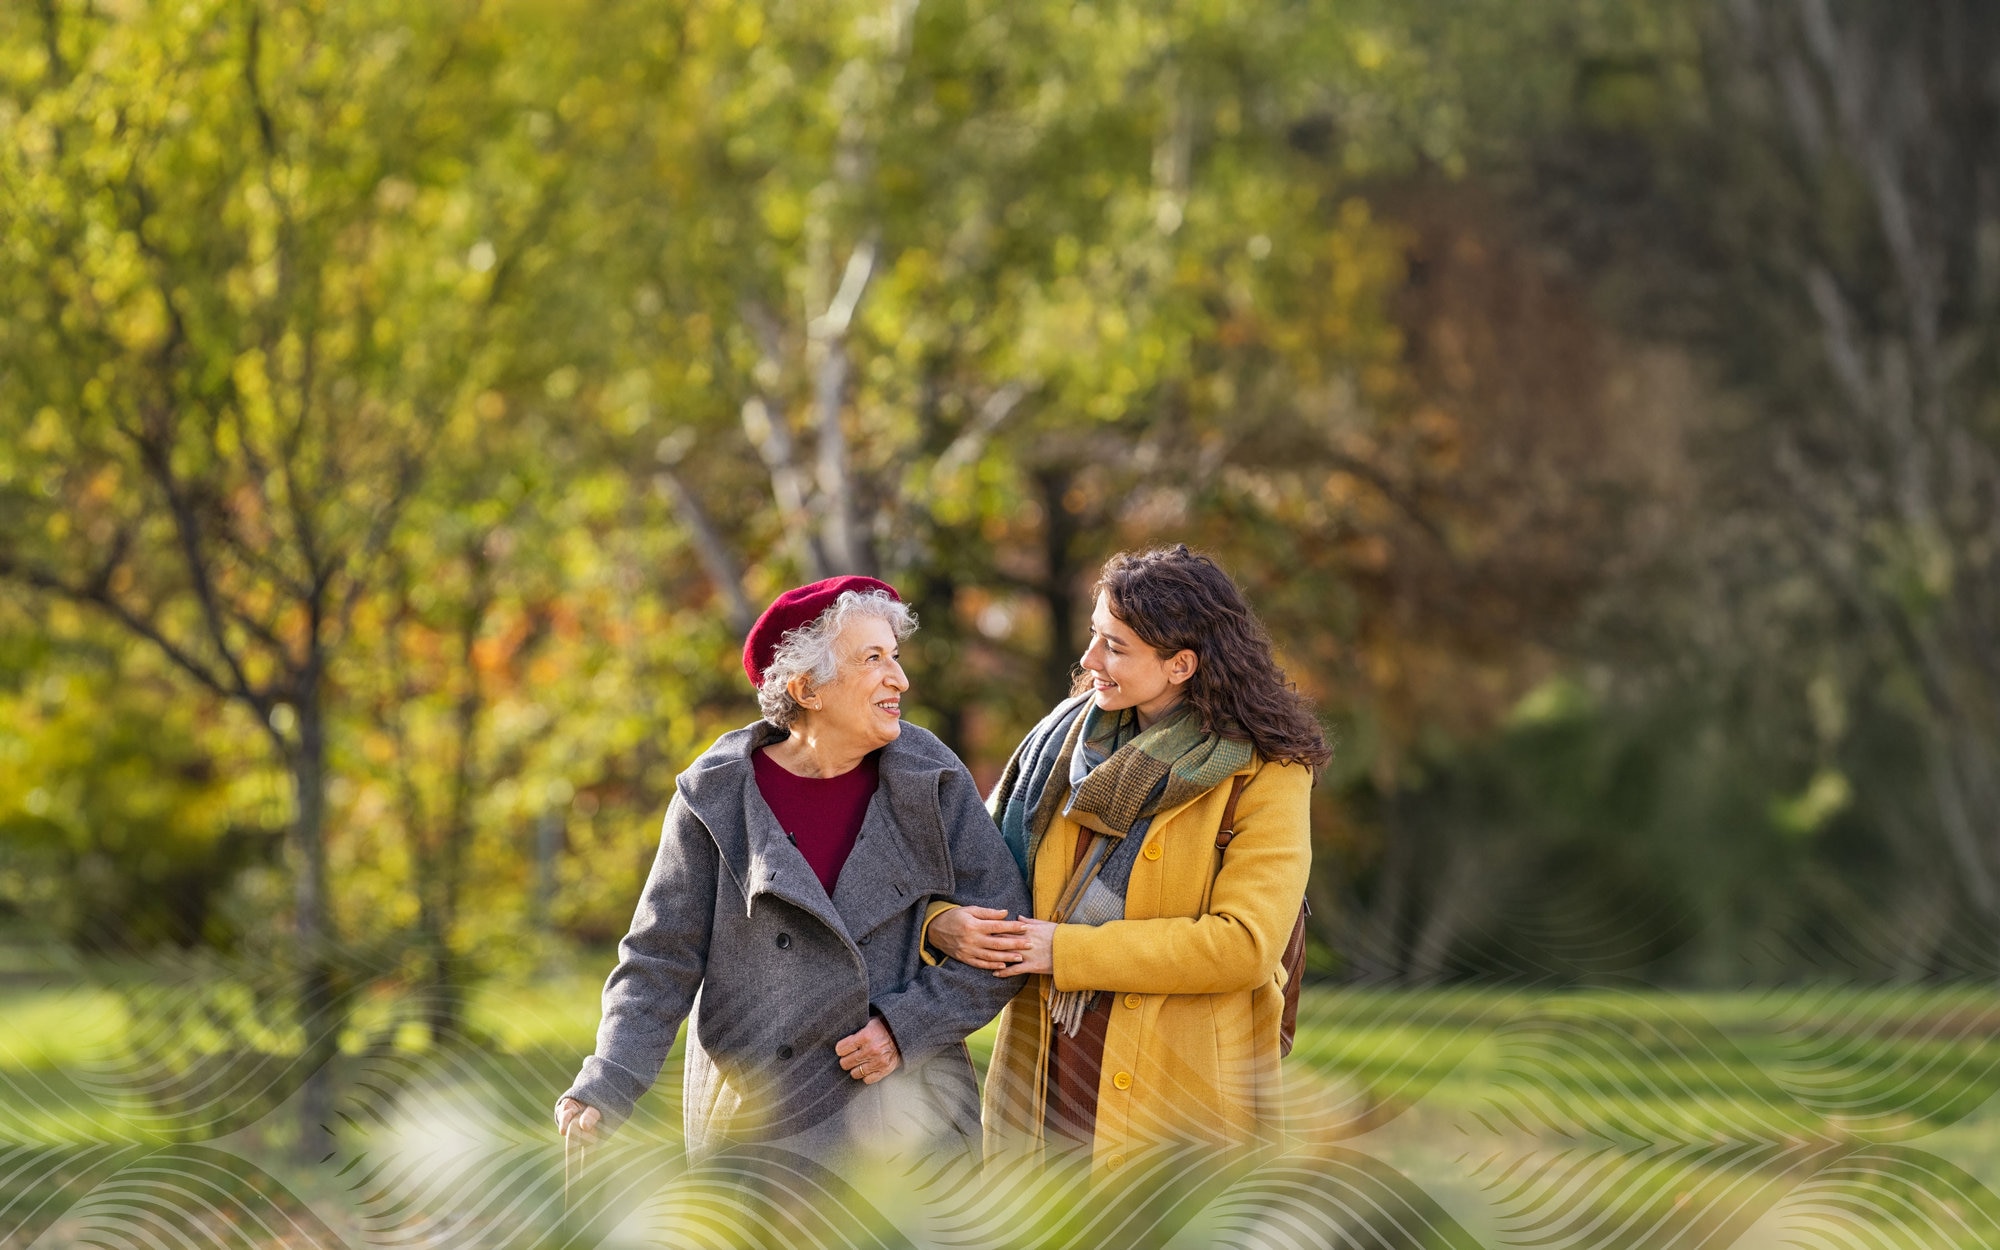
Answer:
[(405, 409)]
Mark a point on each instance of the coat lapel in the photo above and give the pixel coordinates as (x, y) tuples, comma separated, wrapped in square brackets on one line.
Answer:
[(898, 857), (721, 790), (777, 866)]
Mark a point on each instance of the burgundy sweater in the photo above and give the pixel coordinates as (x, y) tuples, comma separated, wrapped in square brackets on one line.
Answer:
[(822, 814)]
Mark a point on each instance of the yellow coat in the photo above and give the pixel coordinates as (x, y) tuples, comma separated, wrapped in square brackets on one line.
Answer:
[(1191, 1052)]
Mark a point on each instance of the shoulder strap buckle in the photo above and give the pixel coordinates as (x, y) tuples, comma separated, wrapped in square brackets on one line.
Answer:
[(1227, 832)]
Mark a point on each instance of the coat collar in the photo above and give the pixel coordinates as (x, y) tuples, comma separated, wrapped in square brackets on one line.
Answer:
[(899, 854)]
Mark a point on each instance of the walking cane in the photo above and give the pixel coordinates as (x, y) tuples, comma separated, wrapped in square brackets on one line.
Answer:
[(580, 1149)]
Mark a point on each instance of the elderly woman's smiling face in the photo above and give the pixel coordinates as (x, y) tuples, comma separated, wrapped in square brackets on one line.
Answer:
[(864, 704)]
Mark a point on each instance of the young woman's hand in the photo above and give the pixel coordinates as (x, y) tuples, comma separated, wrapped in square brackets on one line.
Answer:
[(980, 936), (1040, 955)]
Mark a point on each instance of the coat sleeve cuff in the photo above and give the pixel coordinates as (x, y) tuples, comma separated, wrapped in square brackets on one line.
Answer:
[(1068, 953), (609, 1088), (932, 958), (912, 1023)]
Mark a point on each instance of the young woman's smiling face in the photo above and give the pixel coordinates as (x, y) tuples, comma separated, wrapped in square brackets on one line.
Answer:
[(1127, 672)]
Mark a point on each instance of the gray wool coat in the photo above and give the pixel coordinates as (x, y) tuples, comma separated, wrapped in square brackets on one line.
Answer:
[(734, 928)]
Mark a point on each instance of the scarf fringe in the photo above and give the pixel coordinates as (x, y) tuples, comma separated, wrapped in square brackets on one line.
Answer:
[(1067, 1009)]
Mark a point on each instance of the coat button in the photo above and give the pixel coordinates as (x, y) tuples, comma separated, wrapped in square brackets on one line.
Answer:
[(1131, 1000), (784, 941), (864, 941), (1115, 1162), (1123, 1080), (1152, 850), (784, 1052)]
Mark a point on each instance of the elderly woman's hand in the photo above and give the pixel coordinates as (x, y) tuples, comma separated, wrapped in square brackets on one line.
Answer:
[(583, 1118), (980, 936), (871, 1054), (1041, 953)]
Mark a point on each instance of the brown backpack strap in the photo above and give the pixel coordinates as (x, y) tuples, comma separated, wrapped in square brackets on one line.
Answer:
[(1226, 833), (1294, 958)]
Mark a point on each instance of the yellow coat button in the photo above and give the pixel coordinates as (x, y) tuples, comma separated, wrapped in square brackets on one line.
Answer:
[(1123, 1080), (1115, 1162), (1131, 1000), (1152, 850)]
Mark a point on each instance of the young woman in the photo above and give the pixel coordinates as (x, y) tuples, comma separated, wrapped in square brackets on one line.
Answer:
[(1155, 957)]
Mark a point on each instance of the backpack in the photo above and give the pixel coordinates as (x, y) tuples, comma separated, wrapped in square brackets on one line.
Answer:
[(1295, 946)]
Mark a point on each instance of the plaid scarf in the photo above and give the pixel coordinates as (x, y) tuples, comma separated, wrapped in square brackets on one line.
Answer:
[(1024, 803), (1116, 778)]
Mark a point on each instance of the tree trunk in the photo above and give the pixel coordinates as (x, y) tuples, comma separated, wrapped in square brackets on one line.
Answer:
[(548, 846), (444, 996), (1059, 584), (943, 685), (1378, 953), (1455, 891), (318, 1001)]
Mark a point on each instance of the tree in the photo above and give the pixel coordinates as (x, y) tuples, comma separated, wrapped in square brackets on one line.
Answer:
[(246, 293), (962, 293), (1861, 152), (124, 823)]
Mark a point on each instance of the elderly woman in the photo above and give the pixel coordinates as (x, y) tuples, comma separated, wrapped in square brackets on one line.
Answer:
[(785, 910)]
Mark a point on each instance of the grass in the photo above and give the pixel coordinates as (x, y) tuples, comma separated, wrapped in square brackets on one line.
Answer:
[(1486, 1117)]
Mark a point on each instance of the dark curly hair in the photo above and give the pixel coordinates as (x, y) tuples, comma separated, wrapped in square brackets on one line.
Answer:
[(1176, 599)]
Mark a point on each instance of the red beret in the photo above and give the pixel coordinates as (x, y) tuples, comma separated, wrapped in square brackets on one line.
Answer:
[(794, 608)]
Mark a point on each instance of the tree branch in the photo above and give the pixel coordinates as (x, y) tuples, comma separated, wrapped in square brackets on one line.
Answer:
[(97, 594), (828, 338), (267, 133), (158, 461), (709, 547), (1403, 500), (971, 441), (380, 530), (770, 434)]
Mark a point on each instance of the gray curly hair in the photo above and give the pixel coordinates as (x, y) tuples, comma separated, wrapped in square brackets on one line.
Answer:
[(808, 651)]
